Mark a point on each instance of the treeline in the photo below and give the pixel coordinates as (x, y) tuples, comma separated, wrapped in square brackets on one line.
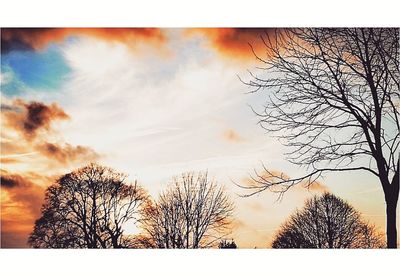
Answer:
[(89, 208)]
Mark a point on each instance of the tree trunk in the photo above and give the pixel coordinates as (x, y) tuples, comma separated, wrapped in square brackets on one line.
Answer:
[(391, 231)]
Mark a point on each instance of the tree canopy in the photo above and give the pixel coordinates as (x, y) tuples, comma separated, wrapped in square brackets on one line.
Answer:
[(194, 212), (88, 208), (327, 222)]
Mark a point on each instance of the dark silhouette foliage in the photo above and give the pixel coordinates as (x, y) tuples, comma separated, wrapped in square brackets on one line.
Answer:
[(225, 244), (88, 208), (327, 222)]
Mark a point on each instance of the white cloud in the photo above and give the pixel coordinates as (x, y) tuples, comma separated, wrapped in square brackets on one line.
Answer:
[(144, 111)]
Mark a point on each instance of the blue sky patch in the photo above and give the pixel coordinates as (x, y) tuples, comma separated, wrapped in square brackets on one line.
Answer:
[(42, 70)]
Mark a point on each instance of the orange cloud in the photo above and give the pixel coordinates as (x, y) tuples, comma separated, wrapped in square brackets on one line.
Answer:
[(9, 147), (38, 38), (316, 186), (232, 136), (8, 160), (33, 121), (235, 42), (29, 118), (21, 199), (67, 153)]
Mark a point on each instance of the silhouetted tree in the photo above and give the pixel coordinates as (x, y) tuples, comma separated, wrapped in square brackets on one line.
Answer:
[(193, 212), (333, 99), (327, 222), (224, 244), (88, 208)]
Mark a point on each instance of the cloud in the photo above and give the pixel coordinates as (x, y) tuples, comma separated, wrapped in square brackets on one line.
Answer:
[(317, 187), (39, 38), (231, 42), (67, 153), (8, 182), (8, 160), (22, 188), (231, 135), (21, 199), (30, 117), (6, 107), (256, 207), (31, 123), (235, 42), (12, 150)]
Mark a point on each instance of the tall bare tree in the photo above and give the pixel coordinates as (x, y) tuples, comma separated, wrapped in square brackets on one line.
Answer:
[(193, 212), (327, 222), (333, 99), (88, 208)]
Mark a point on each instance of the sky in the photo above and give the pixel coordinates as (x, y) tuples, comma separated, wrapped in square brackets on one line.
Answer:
[(151, 103)]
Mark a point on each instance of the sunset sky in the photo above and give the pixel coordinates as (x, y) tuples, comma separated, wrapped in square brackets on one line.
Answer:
[(151, 103)]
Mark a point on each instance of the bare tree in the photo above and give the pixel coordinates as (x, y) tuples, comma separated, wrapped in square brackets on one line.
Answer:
[(333, 99), (327, 222), (193, 212), (88, 208)]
